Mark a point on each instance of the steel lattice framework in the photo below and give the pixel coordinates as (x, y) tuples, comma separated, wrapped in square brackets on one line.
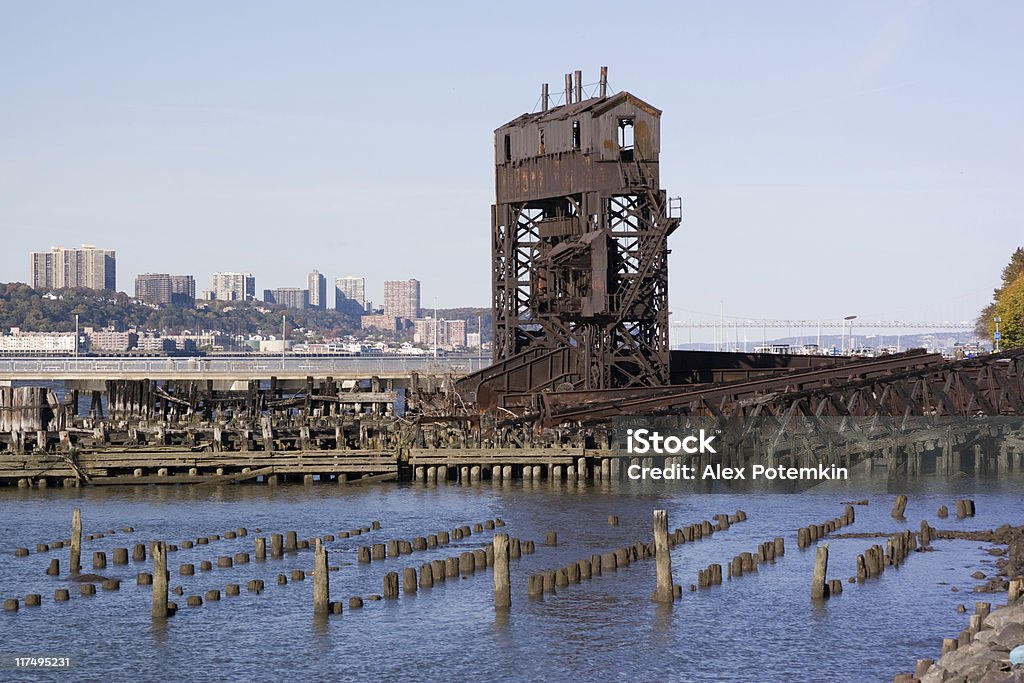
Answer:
[(580, 243)]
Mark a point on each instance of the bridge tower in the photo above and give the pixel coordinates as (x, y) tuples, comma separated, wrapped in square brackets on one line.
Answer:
[(580, 241)]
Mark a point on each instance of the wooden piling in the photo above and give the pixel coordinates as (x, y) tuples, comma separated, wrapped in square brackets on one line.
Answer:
[(409, 580), (159, 608), (391, 585), (662, 558), (276, 546), (819, 589), (75, 565), (899, 507), (502, 583), (321, 581), (426, 575)]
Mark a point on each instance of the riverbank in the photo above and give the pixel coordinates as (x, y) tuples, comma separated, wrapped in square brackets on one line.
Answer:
[(981, 651)]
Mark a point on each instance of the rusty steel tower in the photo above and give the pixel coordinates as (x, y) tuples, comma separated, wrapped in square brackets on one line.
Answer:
[(580, 243)]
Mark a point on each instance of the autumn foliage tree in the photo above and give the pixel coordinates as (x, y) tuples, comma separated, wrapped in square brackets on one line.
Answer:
[(985, 324), (1010, 309)]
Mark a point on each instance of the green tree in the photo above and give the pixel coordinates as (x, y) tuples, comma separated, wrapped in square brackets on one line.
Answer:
[(1010, 309), (984, 325)]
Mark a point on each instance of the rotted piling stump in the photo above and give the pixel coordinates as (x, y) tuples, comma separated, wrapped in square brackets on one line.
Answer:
[(61, 595), (143, 579), (139, 552), (551, 538), (451, 567), (819, 587), (426, 579), (467, 563), (437, 570), (391, 585), (99, 560), (54, 568), (276, 546), (321, 581), (549, 580), (899, 507)]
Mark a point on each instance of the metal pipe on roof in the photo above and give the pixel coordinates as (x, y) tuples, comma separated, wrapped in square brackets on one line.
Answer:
[(579, 85), (544, 97), (604, 81), (568, 88)]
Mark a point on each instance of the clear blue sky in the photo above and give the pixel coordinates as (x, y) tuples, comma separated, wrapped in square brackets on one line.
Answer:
[(834, 158)]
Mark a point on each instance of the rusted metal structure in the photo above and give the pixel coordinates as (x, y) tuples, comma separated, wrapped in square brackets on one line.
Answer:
[(580, 245)]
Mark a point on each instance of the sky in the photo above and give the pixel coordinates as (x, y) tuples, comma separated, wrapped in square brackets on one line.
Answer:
[(833, 158)]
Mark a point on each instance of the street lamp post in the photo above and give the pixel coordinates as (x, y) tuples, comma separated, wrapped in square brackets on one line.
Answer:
[(998, 334), (850, 319)]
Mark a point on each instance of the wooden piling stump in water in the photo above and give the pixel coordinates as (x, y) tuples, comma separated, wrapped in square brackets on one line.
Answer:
[(159, 606), (212, 595), (391, 585), (355, 602), (662, 559), (426, 579), (379, 551), (276, 546), (502, 583), (291, 543), (819, 589), (261, 549), (437, 570), (549, 580), (467, 563), (321, 580), (61, 595), (224, 562), (139, 552), (609, 562), (99, 560), (33, 600), (75, 565), (143, 579), (561, 578), (551, 538), (11, 605), (54, 568), (187, 569), (535, 585), (899, 507), (451, 567), (409, 580)]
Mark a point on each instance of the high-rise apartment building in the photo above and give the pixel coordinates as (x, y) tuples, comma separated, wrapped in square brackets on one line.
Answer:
[(446, 334), (62, 268), (350, 294), (402, 299), (292, 297), (316, 285), (161, 288), (233, 286), (183, 290), (154, 288)]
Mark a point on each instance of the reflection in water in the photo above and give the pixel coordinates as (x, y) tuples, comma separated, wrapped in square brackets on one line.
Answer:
[(604, 628)]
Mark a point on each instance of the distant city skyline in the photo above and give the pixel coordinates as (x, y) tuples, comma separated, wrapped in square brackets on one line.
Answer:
[(832, 158)]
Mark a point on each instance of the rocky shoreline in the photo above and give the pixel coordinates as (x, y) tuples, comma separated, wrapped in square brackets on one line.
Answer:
[(981, 652)]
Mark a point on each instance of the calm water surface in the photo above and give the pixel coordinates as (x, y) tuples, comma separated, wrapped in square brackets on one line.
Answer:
[(757, 627)]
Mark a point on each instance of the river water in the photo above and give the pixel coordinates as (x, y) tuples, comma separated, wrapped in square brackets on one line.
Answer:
[(758, 627)]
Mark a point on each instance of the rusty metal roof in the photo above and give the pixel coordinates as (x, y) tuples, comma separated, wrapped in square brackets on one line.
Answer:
[(594, 105)]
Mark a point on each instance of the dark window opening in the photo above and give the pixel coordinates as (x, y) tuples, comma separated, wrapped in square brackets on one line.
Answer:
[(540, 140), (575, 134), (626, 139), (508, 147)]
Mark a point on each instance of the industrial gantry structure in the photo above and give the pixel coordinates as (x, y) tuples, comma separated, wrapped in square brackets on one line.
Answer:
[(580, 243)]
